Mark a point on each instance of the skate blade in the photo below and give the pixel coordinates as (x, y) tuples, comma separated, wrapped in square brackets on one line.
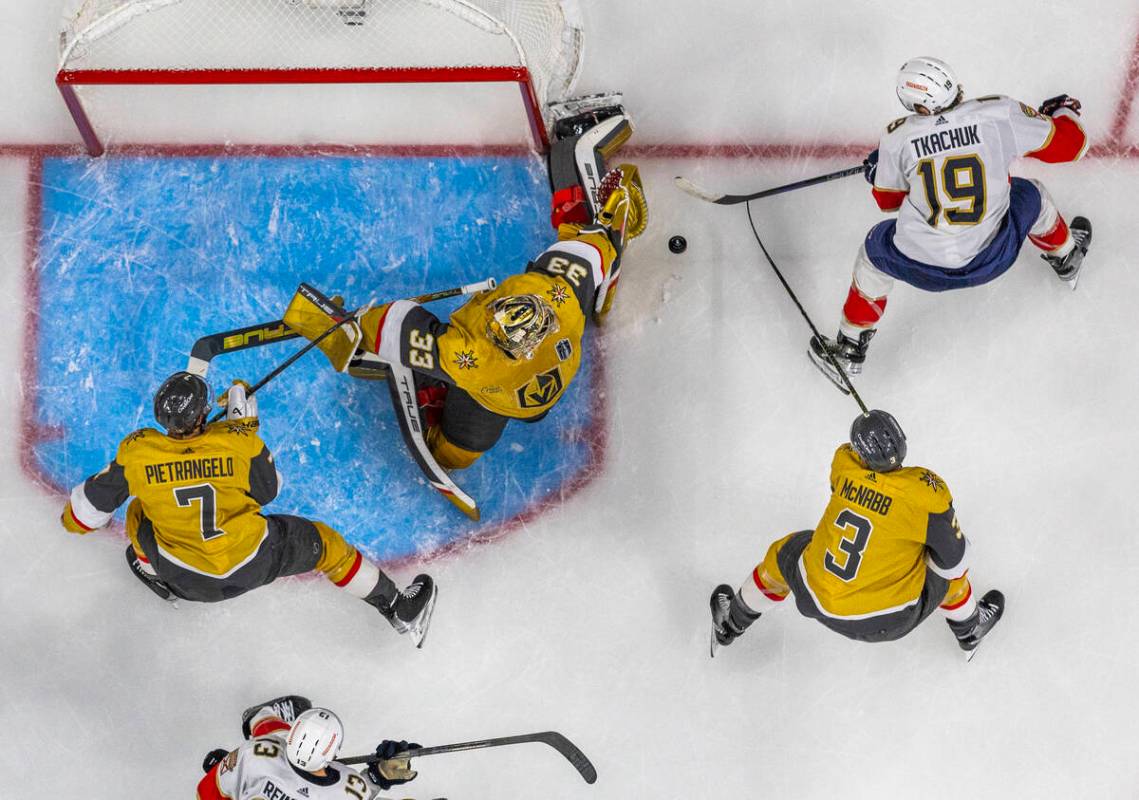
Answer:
[(714, 645), (828, 371), (418, 629)]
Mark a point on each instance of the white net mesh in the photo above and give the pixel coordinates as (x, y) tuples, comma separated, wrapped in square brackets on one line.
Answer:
[(183, 35)]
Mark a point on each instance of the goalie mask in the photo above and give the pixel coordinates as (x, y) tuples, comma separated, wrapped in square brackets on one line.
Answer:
[(519, 323)]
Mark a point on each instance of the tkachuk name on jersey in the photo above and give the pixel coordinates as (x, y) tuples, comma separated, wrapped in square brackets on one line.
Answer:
[(866, 497), (934, 143), (190, 469)]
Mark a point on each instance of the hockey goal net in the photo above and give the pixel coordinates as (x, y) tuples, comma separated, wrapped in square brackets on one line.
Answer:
[(536, 44)]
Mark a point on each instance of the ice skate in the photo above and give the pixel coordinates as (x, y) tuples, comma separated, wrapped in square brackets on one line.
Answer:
[(288, 708), (1068, 267), (849, 354), (576, 115), (970, 632), (152, 582), (721, 603), (412, 609)]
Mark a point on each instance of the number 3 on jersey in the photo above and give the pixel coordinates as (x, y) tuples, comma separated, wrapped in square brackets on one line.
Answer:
[(852, 547), (963, 181)]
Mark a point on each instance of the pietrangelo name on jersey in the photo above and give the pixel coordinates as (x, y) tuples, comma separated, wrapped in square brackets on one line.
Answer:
[(938, 141), (866, 497), (190, 469)]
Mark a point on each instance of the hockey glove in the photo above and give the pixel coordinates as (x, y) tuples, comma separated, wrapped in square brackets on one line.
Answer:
[(870, 166), (1053, 104), (389, 771), (213, 758), (237, 401), (70, 522)]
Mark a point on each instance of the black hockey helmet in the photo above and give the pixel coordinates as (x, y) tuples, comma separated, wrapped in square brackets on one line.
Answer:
[(181, 403), (879, 441)]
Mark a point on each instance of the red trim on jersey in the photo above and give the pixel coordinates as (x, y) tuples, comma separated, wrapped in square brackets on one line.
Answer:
[(76, 520), (862, 311), (352, 572), (770, 595), (380, 327), (889, 199), (1065, 142), (955, 606), (269, 725), (208, 788), (1054, 238)]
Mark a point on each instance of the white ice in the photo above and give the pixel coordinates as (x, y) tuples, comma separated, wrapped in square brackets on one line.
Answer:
[(593, 619)]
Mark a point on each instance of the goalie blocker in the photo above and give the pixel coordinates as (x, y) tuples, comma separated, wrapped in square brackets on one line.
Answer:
[(510, 353)]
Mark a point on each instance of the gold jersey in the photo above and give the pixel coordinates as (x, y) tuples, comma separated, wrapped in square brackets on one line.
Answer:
[(880, 533), (460, 351), (202, 494)]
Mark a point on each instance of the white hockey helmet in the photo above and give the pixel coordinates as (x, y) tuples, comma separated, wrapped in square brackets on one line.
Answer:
[(929, 83), (314, 740)]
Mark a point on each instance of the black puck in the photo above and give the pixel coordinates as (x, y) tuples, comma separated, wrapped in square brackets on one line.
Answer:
[(677, 244)]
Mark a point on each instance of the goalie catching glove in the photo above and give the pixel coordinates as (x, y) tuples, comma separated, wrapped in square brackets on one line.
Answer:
[(389, 771)]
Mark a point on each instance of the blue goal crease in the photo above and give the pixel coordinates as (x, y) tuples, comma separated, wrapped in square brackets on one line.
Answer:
[(140, 256)]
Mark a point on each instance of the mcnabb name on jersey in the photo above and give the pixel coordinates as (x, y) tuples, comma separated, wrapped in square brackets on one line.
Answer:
[(934, 143), (866, 497), (191, 469)]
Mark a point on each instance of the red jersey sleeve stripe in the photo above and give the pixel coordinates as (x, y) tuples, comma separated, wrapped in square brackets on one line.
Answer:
[(208, 788), (351, 572), (889, 199), (269, 725), (1065, 143)]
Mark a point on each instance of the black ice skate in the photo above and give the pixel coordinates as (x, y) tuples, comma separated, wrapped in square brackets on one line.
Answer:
[(1068, 267), (287, 708), (575, 116), (152, 582), (367, 366), (849, 354), (970, 632), (412, 608), (730, 617), (353, 14)]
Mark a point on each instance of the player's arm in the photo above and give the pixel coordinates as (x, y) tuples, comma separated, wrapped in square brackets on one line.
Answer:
[(883, 170), (582, 260), (1052, 133), (947, 549), (220, 781), (404, 332), (264, 480), (93, 502)]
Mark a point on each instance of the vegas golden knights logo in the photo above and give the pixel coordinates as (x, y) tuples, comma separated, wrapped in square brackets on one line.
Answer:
[(544, 387)]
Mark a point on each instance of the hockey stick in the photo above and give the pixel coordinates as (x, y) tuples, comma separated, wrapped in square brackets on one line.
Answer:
[(830, 356), (211, 345), (691, 188), (277, 331), (564, 746)]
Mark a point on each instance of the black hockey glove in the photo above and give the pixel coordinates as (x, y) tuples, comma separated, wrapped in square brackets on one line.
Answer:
[(390, 771), (1053, 104), (213, 758), (870, 166)]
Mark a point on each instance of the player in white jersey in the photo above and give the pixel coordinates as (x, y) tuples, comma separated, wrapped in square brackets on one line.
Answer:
[(961, 217), (290, 754)]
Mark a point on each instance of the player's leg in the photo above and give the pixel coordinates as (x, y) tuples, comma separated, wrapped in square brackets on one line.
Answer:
[(765, 588), (1064, 246), (301, 545), (865, 304), (465, 431), (969, 619)]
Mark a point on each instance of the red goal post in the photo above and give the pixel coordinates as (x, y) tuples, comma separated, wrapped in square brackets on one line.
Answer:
[(536, 44)]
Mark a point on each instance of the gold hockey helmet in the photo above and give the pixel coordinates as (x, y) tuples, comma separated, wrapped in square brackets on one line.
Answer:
[(518, 323)]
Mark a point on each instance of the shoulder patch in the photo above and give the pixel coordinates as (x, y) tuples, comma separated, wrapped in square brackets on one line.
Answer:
[(1029, 111), (893, 126), (228, 763), (931, 480), (242, 427)]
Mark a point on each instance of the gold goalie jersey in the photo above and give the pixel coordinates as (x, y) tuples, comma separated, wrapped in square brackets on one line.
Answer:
[(880, 533), (202, 494), (566, 276)]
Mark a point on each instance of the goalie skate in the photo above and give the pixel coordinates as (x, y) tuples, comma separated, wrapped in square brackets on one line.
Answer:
[(575, 116)]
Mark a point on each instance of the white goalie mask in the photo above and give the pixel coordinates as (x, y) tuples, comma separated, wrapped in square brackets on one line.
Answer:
[(929, 83), (314, 740)]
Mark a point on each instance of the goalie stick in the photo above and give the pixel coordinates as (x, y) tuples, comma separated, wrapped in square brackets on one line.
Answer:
[(567, 749), (691, 188)]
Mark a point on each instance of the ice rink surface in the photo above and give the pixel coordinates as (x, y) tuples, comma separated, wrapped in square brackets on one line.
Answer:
[(591, 619)]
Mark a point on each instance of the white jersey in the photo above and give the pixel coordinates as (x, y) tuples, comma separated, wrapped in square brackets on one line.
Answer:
[(954, 167), (259, 770)]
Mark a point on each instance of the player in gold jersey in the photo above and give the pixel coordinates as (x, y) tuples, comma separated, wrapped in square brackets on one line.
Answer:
[(195, 525), (510, 353), (887, 552)]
